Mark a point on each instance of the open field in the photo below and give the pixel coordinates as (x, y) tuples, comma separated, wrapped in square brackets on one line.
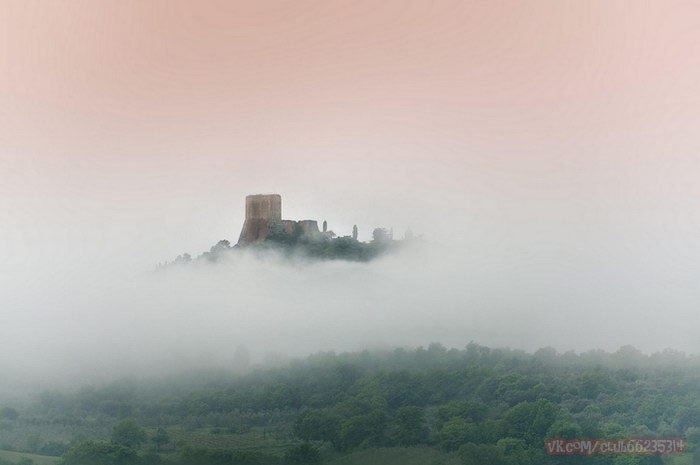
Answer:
[(397, 456), (37, 459)]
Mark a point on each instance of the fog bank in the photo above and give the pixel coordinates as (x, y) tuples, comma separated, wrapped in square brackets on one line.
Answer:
[(97, 325)]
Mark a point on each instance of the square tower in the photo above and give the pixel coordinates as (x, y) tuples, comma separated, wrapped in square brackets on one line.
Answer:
[(264, 207), (262, 212)]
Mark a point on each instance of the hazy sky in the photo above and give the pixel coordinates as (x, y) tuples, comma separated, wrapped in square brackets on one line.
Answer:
[(554, 145)]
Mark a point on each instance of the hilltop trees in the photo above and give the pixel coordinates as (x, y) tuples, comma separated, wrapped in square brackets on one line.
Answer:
[(298, 244), (128, 433)]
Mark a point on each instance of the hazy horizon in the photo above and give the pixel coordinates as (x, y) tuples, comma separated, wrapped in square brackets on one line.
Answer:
[(548, 153)]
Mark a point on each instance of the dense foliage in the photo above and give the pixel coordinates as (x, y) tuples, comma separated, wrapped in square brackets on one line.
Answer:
[(477, 404), (302, 247)]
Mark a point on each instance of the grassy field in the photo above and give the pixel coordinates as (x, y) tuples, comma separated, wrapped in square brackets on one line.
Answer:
[(428, 456), (37, 459), (397, 456), (258, 439), (377, 456), (682, 459)]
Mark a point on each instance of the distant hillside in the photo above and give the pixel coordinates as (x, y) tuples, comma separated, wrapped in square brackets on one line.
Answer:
[(475, 406)]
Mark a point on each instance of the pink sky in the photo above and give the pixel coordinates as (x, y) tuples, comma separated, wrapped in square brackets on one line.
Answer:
[(170, 112), (119, 78)]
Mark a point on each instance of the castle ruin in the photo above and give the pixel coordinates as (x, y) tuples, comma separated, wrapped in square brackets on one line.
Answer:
[(263, 216)]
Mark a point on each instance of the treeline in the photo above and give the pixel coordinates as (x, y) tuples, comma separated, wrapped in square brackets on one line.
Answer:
[(128, 439), (300, 246), (494, 406), (112, 453)]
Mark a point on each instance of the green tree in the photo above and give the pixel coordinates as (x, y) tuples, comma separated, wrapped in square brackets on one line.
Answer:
[(409, 427), (304, 454), (531, 420), (564, 429), (128, 433), (481, 454), (517, 452), (161, 438), (456, 432), (99, 453), (368, 429), (318, 425)]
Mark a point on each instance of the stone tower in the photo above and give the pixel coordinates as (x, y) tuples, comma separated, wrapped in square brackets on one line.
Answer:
[(261, 213)]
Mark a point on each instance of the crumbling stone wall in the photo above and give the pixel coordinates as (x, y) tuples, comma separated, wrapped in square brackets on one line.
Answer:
[(263, 216)]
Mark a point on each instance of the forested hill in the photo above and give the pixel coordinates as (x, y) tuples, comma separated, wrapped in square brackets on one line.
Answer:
[(471, 406), (337, 248)]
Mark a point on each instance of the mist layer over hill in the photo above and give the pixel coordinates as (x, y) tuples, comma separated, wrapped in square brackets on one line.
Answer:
[(100, 325)]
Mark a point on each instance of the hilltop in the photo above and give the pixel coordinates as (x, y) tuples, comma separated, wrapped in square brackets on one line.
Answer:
[(264, 230)]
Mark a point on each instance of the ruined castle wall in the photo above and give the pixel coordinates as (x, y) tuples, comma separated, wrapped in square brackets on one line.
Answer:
[(309, 227), (263, 216), (253, 231), (288, 226)]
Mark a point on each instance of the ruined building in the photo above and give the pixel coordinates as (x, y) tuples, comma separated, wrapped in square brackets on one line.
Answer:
[(263, 216), (261, 213)]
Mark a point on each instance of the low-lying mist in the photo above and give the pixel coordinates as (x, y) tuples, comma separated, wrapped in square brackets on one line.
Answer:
[(97, 325)]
